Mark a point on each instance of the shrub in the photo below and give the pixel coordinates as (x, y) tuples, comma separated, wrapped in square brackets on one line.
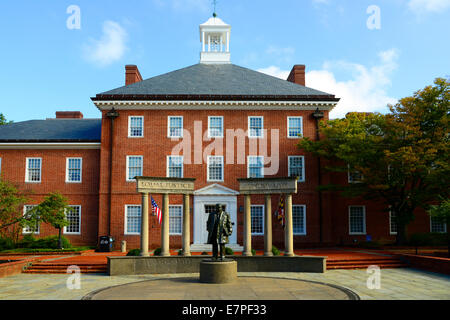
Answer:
[(370, 244), (253, 252), (6, 244), (157, 252), (229, 251), (275, 251), (428, 239), (205, 253), (180, 252), (134, 253), (52, 242)]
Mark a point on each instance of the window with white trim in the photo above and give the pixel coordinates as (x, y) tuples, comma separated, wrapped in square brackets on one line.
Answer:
[(215, 127), (354, 176), (299, 219), (74, 218), (437, 225), (33, 170), (175, 166), (215, 168), (175, 127), (357, 220), (257, 219), (73, 169), (295, 127), (297, 167), (256, 127), (28, 229), (134, 167), (175, 219), (135, 126), (255, 167), (133, 219), (392, 223)]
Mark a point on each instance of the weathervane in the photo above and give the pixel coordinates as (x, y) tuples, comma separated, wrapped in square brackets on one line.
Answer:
[(214, 14)]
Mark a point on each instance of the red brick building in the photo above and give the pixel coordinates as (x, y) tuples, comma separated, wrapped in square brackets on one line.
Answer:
[(213, 121)]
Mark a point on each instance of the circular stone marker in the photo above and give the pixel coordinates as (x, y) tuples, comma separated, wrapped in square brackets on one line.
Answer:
[(218, 271), (247, 288)]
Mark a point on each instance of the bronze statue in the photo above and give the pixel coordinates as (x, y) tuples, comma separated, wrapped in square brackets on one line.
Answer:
[(219, 228)]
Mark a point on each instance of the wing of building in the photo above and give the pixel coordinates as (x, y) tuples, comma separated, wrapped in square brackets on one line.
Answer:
[(215, 122)]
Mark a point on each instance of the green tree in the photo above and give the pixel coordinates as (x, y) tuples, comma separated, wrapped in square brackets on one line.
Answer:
[(442, 214), (11, 214), (3, 120), (53, 211), (402, 157)]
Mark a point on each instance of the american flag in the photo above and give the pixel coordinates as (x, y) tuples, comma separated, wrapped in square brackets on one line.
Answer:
[(156, 210)]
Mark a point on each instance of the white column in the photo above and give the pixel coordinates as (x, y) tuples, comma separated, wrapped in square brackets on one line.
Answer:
[(165, 227), (268, 226), (209, 43), (289, 235), (186, 226), (203, 41), (144, 226), (247, 227), (228, 41)]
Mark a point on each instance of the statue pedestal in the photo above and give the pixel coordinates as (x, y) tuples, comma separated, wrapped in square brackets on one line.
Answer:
[(217, 271)]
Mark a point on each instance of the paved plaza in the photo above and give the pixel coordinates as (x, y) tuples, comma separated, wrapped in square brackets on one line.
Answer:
[(396, 284)]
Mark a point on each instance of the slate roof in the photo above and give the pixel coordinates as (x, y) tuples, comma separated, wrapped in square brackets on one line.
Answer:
[(52, 130), (214, 81)]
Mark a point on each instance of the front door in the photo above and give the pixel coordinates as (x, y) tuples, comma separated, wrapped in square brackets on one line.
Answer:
[(203, 206)]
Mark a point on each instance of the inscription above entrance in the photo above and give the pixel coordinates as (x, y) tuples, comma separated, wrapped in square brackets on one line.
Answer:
[(165, 185), (268, 186)]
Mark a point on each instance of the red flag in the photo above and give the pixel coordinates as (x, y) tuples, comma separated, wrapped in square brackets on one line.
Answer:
[(156, 211)]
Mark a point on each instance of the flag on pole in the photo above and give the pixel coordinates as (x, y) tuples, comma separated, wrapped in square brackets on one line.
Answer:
[(156, 211), (280, 211)]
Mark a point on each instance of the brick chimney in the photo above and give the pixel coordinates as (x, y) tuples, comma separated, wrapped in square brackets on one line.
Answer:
[(132, 75), (297, 74), (69, 115)]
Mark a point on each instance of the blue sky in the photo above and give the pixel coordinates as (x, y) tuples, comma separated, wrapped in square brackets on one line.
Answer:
[(47, 67)]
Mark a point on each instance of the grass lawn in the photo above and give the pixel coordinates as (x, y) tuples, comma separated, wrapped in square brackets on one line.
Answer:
[(28, 250)]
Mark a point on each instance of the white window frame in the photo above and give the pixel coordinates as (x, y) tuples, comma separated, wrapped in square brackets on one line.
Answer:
[(181, 220), (129, 126), (128, 168), (248, 166), (24, 230), (126, 220), (302, 178), (263, 218), (167, 166), (65, 228), (349, 176), (304, 220), (431, 226), (27, 178), (67, 170), (207, 169), (168, 127), (288, 127), (364, 221), (262, 127), (390, 225), (209, 127)]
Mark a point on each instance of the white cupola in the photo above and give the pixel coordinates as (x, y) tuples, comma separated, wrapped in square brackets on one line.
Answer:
[(215, 39)]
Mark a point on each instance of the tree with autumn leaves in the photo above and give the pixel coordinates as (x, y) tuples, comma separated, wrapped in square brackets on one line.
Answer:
[(402, 157)]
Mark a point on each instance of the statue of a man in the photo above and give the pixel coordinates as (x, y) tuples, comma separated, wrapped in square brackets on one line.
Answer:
[(219, 228)]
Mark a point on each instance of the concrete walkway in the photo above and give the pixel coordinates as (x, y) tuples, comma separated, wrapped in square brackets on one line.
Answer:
[(396, 284)]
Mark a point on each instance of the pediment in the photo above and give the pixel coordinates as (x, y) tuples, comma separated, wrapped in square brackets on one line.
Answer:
[(216, 190)]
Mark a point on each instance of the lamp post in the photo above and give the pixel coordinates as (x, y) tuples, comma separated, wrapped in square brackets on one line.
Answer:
[(318, 115), (112, 114)]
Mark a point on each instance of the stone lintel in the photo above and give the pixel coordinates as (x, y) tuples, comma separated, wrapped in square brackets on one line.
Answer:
[(154, 185), (268, 186)]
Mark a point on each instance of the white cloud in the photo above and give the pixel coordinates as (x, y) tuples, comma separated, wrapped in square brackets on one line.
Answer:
[(365, 91), (183, 5), (110, 48), (419, 6)]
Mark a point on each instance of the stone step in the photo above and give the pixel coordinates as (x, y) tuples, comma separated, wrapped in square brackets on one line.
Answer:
[(56, 271), (368, 262), (348, 267)]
